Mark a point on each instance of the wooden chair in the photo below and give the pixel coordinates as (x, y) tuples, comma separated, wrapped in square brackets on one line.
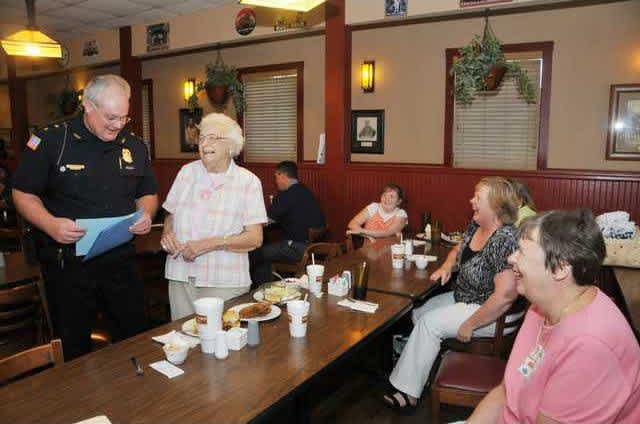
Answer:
[(464, 378), (284, 268), (353, 242), (24, 307), (22, 363), (323, 252)]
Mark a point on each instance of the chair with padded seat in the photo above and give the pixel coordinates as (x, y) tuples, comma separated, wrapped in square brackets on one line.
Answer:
[(315, 235), (465, 377), (28, 361)]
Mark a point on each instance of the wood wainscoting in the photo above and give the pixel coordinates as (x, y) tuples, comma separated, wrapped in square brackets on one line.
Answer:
[(443, 191)]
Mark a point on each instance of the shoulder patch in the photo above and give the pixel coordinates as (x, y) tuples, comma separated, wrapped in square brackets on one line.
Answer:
[(34, 142)]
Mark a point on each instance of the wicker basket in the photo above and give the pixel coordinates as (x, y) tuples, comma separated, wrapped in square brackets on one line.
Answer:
[(623, 252)]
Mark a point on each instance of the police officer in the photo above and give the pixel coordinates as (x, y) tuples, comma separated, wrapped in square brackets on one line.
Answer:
[(88, 167)]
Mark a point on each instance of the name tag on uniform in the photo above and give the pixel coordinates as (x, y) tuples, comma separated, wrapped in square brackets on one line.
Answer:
[(75, 167)]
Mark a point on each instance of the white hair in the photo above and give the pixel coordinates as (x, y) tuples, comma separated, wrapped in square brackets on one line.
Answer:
[(225, 127), (97, 85)]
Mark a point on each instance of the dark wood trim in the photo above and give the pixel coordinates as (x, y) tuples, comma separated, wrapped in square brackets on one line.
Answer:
[(19, 109), (148, 83), (347, 96), (479, 12), (131, 70), (299, 67), (546, 47), (545, 103), (449, 105), (233, 44)]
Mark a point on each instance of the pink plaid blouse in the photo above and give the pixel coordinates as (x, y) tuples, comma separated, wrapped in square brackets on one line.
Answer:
[(203, 208)]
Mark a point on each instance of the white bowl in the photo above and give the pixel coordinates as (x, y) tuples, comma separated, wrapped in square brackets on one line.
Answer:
[(176, 352), (421, 261)]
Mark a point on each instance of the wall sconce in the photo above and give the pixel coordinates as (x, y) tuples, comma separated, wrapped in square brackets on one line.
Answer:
[(368, 76), (189, 89)]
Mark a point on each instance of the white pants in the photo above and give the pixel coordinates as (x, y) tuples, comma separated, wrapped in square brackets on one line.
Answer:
[(434, 321), (182, 295)]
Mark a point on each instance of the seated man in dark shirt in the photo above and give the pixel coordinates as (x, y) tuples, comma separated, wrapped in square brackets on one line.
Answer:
[(295, 210)]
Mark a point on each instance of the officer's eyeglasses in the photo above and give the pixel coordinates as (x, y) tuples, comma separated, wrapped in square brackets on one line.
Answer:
[(112, 120)]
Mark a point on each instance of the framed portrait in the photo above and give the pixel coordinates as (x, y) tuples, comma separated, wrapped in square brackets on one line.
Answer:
[(189, 119), (623, 138), (367, 131), (157, 37), (395, 8)]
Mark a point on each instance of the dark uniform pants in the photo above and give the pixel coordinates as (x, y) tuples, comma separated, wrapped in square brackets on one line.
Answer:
[(287, 251), (75, 289)]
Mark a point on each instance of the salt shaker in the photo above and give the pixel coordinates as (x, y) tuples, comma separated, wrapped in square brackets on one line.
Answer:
[(222, 351), (253, 336)]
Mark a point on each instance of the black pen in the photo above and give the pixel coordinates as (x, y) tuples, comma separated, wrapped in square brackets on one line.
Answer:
[(136, 366)]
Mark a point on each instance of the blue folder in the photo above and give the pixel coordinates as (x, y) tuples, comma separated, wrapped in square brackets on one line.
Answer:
[(112, 233)]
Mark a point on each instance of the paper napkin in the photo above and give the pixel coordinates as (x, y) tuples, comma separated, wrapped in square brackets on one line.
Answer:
[(166, 368)]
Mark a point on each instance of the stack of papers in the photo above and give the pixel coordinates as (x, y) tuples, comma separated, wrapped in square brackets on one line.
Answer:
[(361, 306), (103, 234)]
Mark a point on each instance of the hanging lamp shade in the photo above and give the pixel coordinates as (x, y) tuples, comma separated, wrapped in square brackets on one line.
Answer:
[(31, 42), (296, 5)]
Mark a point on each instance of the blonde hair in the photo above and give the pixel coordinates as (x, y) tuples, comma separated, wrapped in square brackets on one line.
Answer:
[(224, 127), (502, 198)]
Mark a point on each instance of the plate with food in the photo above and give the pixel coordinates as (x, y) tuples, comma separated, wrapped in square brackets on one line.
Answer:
[(258, 311), (454, 237), (279, 292), (189, 327)]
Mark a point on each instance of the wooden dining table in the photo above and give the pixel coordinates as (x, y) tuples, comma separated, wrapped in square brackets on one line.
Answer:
[(628, 280), (408, 281), (244, 387)]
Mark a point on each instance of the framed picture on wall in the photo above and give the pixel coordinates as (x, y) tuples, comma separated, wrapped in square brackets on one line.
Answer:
[(395, 8), (623, 139), (471, 3), (367, 131), (189, 119)]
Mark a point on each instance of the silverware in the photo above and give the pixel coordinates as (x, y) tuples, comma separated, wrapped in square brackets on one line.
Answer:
[(137, 366), (361, 301)]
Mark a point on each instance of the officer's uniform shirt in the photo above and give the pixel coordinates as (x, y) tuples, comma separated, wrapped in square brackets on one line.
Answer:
[(85, 177)]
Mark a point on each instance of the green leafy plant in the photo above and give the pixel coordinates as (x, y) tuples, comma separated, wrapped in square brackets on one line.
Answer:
[(481, 60), (221, 75)]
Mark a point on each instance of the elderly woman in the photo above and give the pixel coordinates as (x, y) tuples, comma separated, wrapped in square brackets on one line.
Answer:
[(380, 220), (526, 206), (215, 216), (484, 290), (575, 359)]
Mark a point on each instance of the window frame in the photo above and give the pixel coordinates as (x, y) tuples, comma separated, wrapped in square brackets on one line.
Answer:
[(299, 68), (546, 47), (148, 83)]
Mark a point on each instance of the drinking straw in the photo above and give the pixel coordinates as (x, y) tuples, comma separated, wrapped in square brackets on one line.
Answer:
[(313, 258), (400, 238)]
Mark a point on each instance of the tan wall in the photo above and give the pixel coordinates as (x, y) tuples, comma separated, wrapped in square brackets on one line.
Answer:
[(39, 108), (361, 11), (410, 78), (5, 107), (168, 75), (217, 25)]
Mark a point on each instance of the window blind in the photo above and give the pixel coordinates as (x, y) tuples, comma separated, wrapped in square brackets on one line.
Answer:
[(271, 116), (499, 129)]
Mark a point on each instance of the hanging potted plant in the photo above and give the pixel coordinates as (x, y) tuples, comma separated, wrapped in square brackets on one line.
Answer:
[(221, 82), (481, 66), (65, 102)]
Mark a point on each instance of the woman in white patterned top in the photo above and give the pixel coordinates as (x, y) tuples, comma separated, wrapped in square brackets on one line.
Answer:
[(215, 216)]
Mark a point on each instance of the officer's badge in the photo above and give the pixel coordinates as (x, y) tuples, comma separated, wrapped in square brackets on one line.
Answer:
[(126, 156)]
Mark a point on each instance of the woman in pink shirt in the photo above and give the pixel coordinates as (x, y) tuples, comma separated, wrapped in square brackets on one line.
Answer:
[(575, 359)]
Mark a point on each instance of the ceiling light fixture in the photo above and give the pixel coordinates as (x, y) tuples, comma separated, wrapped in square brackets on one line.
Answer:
[(296, 5), (31, 42)]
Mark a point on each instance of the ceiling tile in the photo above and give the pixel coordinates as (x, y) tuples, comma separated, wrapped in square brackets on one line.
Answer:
[(79, 14), (11, 15), (158, 3), (155, 15), (116, 7), (189, 6)]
